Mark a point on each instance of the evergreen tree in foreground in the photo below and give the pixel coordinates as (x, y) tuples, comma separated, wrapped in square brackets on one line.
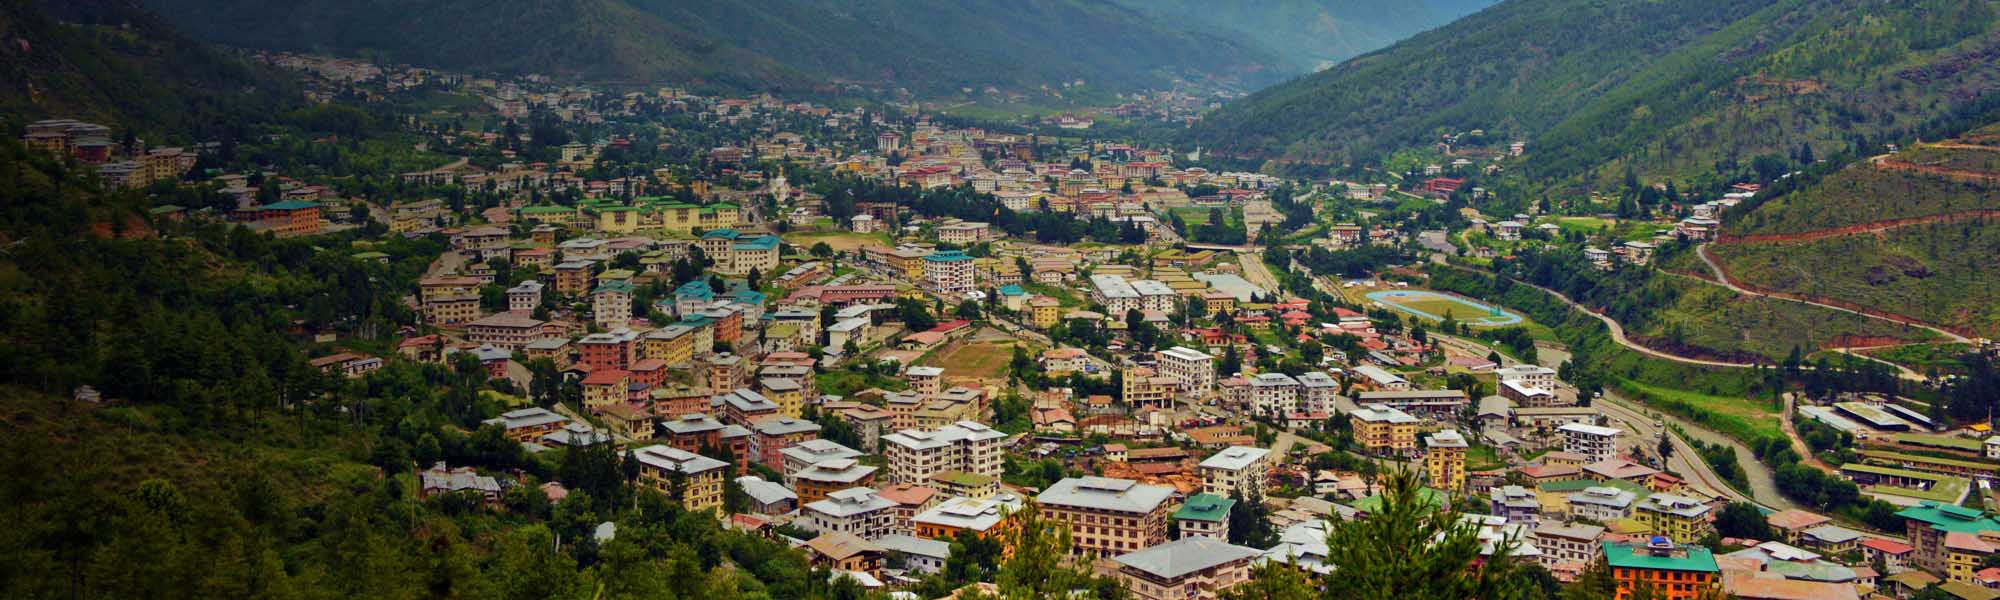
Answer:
[(1413, 549)]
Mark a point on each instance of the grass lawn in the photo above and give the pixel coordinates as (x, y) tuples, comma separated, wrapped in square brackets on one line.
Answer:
[(1740, 418), (1482, 458)]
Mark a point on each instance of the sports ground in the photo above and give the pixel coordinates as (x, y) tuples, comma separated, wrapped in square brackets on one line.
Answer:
[(1434, 306)]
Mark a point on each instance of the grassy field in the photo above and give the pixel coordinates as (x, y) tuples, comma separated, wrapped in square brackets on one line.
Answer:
[(1740, 418), (970, 360), (1941, 273), (1620, 229), (1482, 458), (840, 241)]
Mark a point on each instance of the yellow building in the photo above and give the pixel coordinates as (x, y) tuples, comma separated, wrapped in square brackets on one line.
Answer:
[(699, 477), (1045, 312), (1385, 431), (1682, 519), (673, 344), (1964, 553), (1444, 460), (786, 393), (605, 387)]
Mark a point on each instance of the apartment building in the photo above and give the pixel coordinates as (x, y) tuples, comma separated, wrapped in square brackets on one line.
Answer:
[(1273, 395), (1108, 516), (1236, 471), (1678, 518), (1190, 568), (1673, 571), (1602, 504), (1444, 460), (854, 511), (507, 330), (700, 477), (914, 455), (1385, 431), (821, 479), (1592, 441), (1317, 393), (949, 273), (984, 516), (1574, 544), (1193, 369)]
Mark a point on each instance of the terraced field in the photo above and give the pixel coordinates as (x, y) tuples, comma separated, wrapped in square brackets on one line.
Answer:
[(1707, 320)]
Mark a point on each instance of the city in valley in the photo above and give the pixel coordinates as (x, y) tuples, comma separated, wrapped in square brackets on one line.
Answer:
[(345, 323)]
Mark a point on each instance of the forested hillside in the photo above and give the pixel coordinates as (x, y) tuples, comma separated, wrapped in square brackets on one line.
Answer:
[(110, 61), (1314, 34), (757, 44), (1664, 89)]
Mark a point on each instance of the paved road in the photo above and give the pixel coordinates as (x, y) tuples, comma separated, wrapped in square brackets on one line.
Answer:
[(1723, 279), (1799, 445), (1618, 333), (1257, 272), (1763, 489)]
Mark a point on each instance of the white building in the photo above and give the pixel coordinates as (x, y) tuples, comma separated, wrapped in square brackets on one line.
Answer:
[(1115, 293), (853, 511), (1575, 544), (799, 456), (1317, 392), (1602, 504), (967, 447), (919, 555), (1382, 379), (1236, 471), (1596, 442), (1274, 394), (1193, 370), (1532, 375), (524, 297), (949, 273)]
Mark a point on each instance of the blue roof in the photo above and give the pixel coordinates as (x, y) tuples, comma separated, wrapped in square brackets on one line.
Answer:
[(748, 296), (763, 242), (1012, 290), (947, 256), (697, 289), (291, 205), (721, 233)]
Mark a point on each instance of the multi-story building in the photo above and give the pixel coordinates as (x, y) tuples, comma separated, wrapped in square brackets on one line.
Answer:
[(1190, 568), (1145, 388), (771, 435), (1205, 514), (1236, 471), (1108, 516), (924, 380), (524, 297), (1444, 460), (1193, 369), (572, 278), (606, 387), (788, 394), (983, 516), (692, 432), (609, 350), (1928, 523), (818, 480), (1273, 395), (854, 511), (1044, 311), (805, 454), (948, 273), (527, 424), (1602, 504), (1516, 504), (1673, 571), (698, 477), (1679, 518), (968, 447), (1317, 393), (1574, 544), (505, 330), (1531, 375), (1385, 431), (1115, 293), (611, 304), (1594, 442)]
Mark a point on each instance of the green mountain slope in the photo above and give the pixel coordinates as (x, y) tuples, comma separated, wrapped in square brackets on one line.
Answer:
[(751, 44), (1911, 233), (1666, 88), (110, 61), (1313, 34)]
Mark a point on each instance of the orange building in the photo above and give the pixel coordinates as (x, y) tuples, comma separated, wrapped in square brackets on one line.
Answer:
[(292, 217), (1673, 571)]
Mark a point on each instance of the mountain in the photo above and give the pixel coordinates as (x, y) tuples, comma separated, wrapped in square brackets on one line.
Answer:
[(113, 61), (748, 44), (1313, 34), (1927, 255), (1668, 89)]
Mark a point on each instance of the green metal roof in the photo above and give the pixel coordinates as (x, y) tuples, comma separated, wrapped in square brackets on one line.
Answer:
[(290, 205), (1950, 517), (1697, 558), (1205, 507)]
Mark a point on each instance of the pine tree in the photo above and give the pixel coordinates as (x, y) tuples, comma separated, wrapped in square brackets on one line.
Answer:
[(1410, 548)]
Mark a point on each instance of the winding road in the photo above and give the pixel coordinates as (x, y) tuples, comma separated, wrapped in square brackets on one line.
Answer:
[(1722, 278), (1618, 331)]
